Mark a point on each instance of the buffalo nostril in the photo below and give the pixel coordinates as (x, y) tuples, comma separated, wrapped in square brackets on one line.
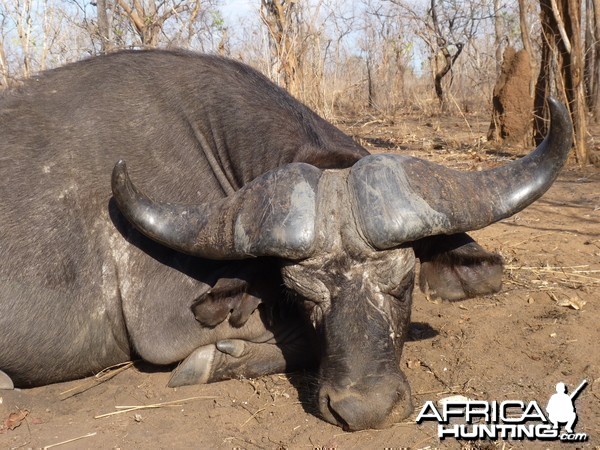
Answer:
[(351, 411), (339, 419)]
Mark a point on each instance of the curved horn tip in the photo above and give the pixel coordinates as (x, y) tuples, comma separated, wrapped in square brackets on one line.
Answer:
[(120, 167), (560, 131), (119, 175), (555, 105)]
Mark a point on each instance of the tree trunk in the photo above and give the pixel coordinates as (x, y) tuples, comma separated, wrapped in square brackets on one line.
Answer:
[(561, 36), (449, 59), (440, 74), (103, 27), (542, 85), (572, 68), (498, 36), (4, 75), (592, 58), (280, 18), (370, 93)]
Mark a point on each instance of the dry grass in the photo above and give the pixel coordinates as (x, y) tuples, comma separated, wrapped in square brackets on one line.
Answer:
[(94, 381), (126, 409)]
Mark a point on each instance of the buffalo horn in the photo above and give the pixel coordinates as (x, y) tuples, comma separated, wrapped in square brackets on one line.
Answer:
[(274, 215), (399, 199)]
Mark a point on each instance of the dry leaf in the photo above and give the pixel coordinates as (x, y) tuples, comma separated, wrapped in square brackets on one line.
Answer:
[(573, 302), (14, 419)]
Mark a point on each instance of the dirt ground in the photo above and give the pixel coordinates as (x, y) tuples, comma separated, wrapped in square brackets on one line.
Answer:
[(542, 328)]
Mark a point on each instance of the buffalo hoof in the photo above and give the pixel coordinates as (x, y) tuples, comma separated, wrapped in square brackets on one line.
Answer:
[(5, 381), (230, 358), (195, 369)]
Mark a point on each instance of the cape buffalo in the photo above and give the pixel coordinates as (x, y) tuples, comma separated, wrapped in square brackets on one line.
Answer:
[(257, 237)]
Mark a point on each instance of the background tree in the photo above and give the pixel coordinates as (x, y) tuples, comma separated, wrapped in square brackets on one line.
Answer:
[(384, 50), (526, 36), (448, 59), (447, 28), (30, 38), (281, 17), (104, 34), (563, 65), (148, 17), (591, 74)]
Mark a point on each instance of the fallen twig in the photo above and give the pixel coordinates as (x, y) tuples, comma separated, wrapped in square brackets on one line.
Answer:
[(97, 379), (69, 440), (124, 409), (253, 416)]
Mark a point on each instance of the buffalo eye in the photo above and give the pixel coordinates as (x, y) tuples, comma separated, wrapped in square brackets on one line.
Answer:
[(403, 290)]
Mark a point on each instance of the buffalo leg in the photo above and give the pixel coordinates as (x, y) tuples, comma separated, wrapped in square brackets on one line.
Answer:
[(288, 350)]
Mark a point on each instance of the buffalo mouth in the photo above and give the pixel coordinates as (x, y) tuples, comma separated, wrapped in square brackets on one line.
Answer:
[(378, 406)]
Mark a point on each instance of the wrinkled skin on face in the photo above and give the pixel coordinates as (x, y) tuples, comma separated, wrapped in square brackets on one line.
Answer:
[(360, 307)]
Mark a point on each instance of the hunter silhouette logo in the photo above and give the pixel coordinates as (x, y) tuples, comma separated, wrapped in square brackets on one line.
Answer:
[(463, 418), (561, 408)]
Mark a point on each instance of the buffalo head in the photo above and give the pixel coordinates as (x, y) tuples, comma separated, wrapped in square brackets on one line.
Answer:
[(347, 241)]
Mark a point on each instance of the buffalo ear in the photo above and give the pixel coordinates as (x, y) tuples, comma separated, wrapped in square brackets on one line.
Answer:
[(229, 298), (455, 267)]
